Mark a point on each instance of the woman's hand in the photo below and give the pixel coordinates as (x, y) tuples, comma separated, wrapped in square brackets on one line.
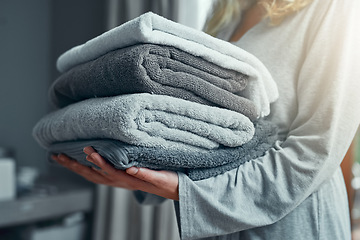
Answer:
[(162, 183)]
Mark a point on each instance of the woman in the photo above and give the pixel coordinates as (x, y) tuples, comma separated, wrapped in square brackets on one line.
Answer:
[(296, 191)]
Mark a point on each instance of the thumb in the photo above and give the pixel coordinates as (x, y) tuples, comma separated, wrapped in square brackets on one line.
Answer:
[(144, 174)]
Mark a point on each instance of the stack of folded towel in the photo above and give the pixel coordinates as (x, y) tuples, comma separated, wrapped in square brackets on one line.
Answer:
[(155, 93)]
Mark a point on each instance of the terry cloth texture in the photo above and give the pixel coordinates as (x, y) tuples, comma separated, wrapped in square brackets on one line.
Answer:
[(197, 163), (152, 28), (146, 120), (148, 68)]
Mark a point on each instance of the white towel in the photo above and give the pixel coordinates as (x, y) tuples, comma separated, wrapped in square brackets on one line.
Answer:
[(152, 28)]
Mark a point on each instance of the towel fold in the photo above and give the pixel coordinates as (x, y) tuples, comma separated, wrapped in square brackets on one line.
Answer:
[(197, 163), (157, 69), (152, 28), (146, 120)]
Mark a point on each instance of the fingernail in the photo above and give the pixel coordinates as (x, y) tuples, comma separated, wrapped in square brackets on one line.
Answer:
[(86, 150), (93, 158), (60, 158), (132, 170), (89, 159)]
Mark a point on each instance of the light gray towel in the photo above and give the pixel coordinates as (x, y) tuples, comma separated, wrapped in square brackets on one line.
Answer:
[(157, 69), (152, 28), (195, 162), (146, 120)]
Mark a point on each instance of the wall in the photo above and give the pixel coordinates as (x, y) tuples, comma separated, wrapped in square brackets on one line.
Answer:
[(24, 75), (32, 35)]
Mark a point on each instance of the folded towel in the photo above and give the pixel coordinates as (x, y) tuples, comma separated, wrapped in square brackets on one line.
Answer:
[(152, 28), (146, 120), (195, 162), (153, 69)]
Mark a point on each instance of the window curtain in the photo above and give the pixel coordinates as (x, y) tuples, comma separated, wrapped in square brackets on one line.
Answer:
[(192, 13)]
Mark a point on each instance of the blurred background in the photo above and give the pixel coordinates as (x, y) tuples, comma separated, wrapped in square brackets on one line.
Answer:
[(42, 201)]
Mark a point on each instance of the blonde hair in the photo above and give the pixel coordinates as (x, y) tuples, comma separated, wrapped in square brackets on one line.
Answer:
[(276, 10)]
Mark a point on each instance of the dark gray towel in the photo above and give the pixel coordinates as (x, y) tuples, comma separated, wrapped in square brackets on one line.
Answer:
[(196, 163), (157, 69)]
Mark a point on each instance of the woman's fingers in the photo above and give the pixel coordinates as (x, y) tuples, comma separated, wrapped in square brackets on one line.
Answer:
[(147, 175), (115, 177), (88, 173), (157, 178), (95, 158), (99, 161), (88, 150), (164, 183)]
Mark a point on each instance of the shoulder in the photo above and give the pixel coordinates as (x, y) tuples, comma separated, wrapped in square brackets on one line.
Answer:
[(326, 9), (331, 17)]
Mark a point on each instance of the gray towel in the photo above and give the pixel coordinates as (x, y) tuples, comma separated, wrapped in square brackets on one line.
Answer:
[(148, 68), (197, 163), (146, 120), (152, 28)]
